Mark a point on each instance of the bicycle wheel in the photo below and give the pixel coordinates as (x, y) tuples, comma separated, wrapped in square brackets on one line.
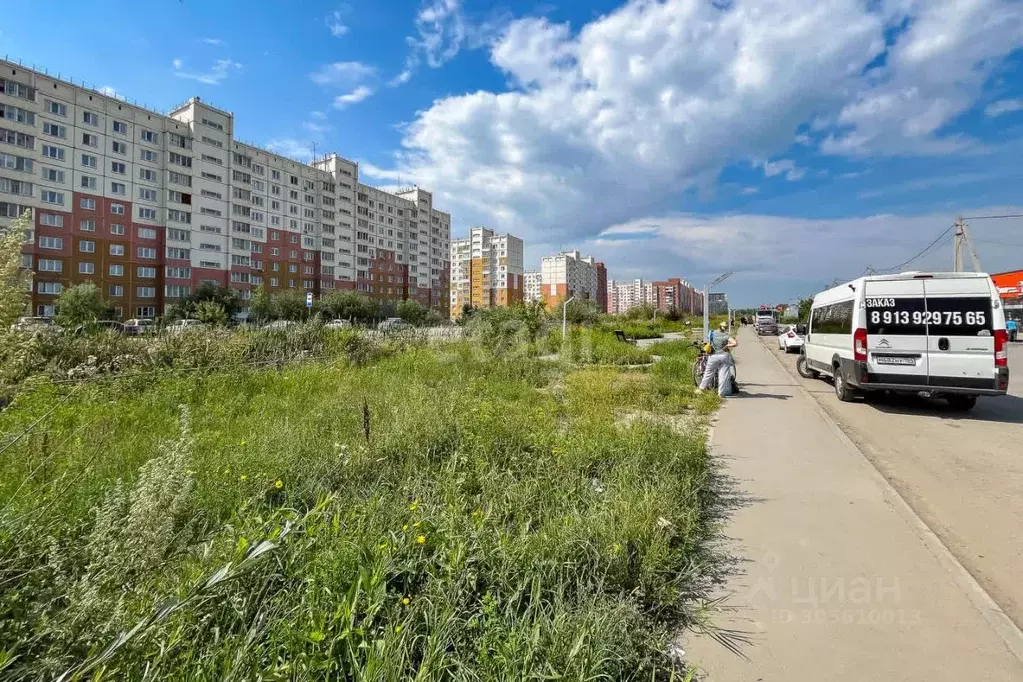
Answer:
[(698, 368)]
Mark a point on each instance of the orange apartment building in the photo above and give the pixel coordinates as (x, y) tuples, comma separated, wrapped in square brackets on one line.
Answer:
[(486, 271), (569, 274)]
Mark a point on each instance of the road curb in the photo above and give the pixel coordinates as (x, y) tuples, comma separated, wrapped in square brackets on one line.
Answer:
[(1002, 624)]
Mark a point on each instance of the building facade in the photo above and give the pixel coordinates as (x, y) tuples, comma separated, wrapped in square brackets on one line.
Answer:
[(149, 206), (532, 285), (568, 274), (664, 295), (486, 270), (623, 295)]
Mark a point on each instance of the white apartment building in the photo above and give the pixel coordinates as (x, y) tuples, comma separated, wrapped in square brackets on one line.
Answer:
[(622, 295), (532, 285), (148, 206), (486, 270), (568, 274)]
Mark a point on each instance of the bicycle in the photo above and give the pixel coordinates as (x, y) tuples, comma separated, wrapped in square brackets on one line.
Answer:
[(700, 366)]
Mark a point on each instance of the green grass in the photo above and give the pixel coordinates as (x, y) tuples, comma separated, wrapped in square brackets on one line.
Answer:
[(438, 513)]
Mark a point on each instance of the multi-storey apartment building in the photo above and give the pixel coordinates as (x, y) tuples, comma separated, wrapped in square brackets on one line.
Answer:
[(149, 206), (623, 295), (532, 285), (677, 293), (486, 270), (568, 274)]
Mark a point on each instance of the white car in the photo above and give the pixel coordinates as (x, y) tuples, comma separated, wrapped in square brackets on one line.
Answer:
[(337, 324), (183, 325), (790, 337)]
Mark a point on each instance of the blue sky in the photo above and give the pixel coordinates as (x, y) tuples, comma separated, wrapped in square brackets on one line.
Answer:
[(792, 141)]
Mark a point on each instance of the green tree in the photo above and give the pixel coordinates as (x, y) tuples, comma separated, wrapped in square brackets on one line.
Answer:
[(226, 297), (289, 305), (804, 308), (260, 308), (348, 305), (80, 304), (210, 312), (13, 279), (412, 312), (581, 311), (673, 314)]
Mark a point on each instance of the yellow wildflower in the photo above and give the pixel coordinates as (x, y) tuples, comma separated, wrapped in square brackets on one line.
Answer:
[(242, 477), (414, 506), (243, 444), (397, 629), (405, 527), (279, 484), (421, 539), (406, 601), (417, 524)]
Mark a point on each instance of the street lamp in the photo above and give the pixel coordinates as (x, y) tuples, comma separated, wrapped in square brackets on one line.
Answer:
[(706, 302), (564, 318)]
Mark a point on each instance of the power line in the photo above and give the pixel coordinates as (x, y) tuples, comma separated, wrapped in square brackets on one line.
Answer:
[(992, 217), (991, 241), (930, 246)]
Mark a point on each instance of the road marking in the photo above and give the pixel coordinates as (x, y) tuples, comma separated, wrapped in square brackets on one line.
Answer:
[(1006, 628)]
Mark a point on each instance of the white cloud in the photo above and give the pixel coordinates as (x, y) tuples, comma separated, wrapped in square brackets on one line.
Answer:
[(335, 22), (317, 127), (300, 150), (215, 76), (355, 96), (404, 77), (319, 115), (109, 91), (342, 74), (1005, 106), (442, 30), (787, 166), (213, 41), (654, 99), (815, 253)]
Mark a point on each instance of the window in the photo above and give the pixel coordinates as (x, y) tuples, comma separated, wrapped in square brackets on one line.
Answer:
[(53, 175), (51, 197), (50, 265), (180, 159), (145, 311), (88, 204), (212, 159), (18, 163), (179, 254), (54, 130), (119, 147), (177, 216), (212, 124), (56, 108), (275, 174), (211, 194), (293, 269), (19, 187), (149, 136), (88, 225), (147, 194), (179, 197), (146, 252), (117, 188), (832, 319), (116, 290), (147, 233), (145, 292), (22, 116), (87, 246), (177, 235), (211, 141), (178, 272), (86, 268), (147, 174), (117, 250), (51, 219), (9, 210), (210, 211), (90, 140), (117, 167), (179, 178), (17, 139), (120, 127), (88, 182), (178, 141), (89, 161), (147, 155), (211, 176), (56, 243), (147, 213), (117, 229), (53, 152), (177, 291), (145, 272), (90, 118), (273, 280), (52, 288), (117, 209)]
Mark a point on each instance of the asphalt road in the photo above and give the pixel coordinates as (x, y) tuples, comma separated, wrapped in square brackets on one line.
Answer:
[(961, 473)]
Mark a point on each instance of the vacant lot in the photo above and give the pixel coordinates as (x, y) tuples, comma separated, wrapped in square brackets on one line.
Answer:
[(442, 512)]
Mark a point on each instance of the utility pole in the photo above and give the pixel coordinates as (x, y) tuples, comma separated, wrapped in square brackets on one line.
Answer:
[(962, 240)]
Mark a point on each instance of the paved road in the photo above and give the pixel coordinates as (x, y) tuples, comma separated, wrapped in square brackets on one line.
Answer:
[(838, 579), (963, 474)]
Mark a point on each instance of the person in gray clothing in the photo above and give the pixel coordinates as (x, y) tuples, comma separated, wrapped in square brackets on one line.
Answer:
[(720, 361)]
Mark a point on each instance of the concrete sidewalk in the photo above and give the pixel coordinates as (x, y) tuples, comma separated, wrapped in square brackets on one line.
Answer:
[(838, 579)]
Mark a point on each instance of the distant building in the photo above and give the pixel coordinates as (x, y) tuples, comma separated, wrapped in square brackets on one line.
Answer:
[(623, 295), (677, 293), (718, 304), (532, 285), (486, 270), (568, 274)]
